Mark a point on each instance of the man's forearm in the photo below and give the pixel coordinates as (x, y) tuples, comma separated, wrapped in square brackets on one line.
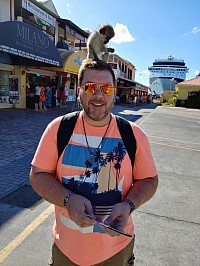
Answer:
[(142, 190), (48, 188)]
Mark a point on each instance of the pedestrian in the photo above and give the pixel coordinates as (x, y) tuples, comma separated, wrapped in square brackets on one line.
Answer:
[(48, 95), (127, 98), (93, 178), (42, 102), (62, 96), (37, 96), (66, 94)]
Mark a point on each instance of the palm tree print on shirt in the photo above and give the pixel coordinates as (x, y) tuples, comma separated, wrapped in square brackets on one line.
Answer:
[(87, 183)]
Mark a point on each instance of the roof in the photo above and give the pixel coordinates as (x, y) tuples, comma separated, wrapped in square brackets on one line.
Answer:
[(46, 9), (73, 26), (50, 5), (193, 82), (123, 60)]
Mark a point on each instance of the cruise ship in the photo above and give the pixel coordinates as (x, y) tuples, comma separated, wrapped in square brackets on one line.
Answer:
[(165, 73)]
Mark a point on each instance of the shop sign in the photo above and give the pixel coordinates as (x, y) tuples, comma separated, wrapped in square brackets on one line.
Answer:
[(74, 62), (25, 40), (141, 87), (14, 90), (28, 5), (74, 33)]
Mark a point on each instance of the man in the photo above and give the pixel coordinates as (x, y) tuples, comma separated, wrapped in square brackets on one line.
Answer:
[(94, 177), (37, 96)]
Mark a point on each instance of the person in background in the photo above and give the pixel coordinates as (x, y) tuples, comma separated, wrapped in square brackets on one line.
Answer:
[(42, 102), (66, 94), (48, 95), (37, 96), (127, 98), (62, 96), (93, 179)]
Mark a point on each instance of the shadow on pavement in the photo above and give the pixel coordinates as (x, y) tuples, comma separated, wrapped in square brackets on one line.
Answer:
[(21, 130)]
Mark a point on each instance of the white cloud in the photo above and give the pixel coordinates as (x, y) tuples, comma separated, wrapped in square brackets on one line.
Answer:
[(196, 30), (146, 71), (68, 8), (143, 72), (122, 34), (196, 72)]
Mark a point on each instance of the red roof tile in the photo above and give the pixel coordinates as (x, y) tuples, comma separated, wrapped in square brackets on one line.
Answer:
[(195, 82)]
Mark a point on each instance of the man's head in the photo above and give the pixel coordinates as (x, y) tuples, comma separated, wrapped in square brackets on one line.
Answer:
[(97, 85)]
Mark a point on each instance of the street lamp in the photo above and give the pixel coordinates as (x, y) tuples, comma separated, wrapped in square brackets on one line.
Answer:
[(171, 83)]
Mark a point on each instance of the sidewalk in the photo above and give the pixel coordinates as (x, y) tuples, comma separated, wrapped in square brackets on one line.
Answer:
[(167, 227), (20, 132)]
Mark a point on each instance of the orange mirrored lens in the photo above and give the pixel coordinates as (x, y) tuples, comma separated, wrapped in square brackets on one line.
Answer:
[(90, 88), (106, 88)]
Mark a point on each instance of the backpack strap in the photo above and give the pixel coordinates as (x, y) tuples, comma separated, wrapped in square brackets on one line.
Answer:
[(65, 130), (67, 125), (128, 137)]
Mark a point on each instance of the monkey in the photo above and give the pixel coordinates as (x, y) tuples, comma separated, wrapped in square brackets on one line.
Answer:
[(97, 40)]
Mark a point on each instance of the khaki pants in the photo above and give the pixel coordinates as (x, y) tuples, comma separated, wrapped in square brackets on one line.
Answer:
[(124, 258)]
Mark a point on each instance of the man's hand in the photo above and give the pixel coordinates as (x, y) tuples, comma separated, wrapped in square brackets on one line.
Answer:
[(118, 218), (78, 207)]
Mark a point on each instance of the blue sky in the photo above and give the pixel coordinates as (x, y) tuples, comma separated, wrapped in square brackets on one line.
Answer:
[(145, 29)]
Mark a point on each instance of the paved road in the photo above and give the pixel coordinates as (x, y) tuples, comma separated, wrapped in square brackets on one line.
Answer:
[(167, 227)]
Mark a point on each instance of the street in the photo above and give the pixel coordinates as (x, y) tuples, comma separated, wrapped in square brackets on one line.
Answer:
[(167, 227)]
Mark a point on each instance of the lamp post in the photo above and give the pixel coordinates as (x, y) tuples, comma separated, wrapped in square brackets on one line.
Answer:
[(171, 83)]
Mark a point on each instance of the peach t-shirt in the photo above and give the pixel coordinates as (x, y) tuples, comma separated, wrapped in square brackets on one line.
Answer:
[(103, 176)]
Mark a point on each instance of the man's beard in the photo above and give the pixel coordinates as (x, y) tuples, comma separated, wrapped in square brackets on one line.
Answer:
[(91, 113)]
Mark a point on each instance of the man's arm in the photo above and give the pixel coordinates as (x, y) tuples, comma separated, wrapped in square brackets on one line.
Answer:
[(141, 191), (44, 183)]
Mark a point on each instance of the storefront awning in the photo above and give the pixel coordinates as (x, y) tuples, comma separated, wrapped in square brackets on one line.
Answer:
[(26, 42), (72, 61)]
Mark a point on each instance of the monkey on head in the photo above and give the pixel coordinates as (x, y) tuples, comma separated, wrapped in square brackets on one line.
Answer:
[(96, 43)]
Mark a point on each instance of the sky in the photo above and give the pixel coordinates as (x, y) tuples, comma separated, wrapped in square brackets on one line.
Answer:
[(145, 29)]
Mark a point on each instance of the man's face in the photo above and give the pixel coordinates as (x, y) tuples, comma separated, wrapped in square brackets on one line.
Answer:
[(97, 106)]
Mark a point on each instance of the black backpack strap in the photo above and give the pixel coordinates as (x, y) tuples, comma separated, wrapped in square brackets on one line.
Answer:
[(65, 131), (128, 137), (67, 125)]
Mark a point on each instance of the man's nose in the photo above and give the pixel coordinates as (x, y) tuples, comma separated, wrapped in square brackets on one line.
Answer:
[(99, 91)]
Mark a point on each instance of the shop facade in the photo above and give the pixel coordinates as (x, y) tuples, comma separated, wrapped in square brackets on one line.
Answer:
[(24, 51), (67, 76), (127, 88)]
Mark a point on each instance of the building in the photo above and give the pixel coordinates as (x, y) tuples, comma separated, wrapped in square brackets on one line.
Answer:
[(126, 84), (37, 46), (188, 88), (165, 73), (33, 50)]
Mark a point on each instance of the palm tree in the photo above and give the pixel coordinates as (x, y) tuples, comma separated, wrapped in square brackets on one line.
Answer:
[(109, 158), (95, 171), (120, 152)]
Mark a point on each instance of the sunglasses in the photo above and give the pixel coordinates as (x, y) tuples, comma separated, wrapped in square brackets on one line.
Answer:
[(92, 87)]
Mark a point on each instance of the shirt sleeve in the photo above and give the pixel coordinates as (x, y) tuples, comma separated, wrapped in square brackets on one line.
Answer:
[(46, 155), (144, 165)]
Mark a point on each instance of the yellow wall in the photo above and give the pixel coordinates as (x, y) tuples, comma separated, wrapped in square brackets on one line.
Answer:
[(21, 87), (74, 61), (184, 89)]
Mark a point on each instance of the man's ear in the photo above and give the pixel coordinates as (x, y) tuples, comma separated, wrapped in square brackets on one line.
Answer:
[(115, 88)]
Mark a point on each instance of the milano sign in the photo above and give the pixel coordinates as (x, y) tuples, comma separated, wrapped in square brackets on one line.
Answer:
[(22, 39)]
